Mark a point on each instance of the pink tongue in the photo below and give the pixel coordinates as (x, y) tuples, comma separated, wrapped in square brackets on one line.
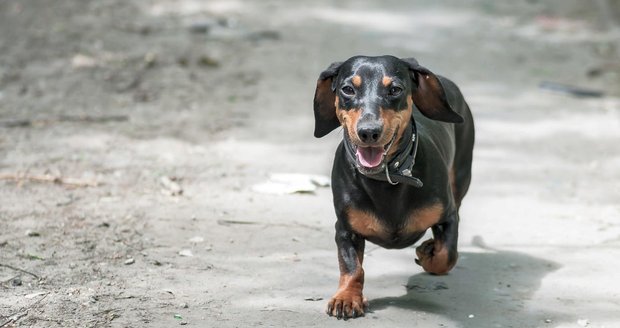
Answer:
[(370, 156)]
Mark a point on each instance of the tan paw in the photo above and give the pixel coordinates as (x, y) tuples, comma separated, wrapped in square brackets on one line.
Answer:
[(434, 257), (347, 304)]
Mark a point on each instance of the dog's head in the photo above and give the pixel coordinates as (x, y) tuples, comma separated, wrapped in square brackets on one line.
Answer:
[(372, 99)]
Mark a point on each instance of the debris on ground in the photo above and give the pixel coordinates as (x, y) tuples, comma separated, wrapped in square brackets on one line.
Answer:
[(171, 187), (186, 253), (232, 222), (571, 90), (313, 299), (69, 182), (196, 240), (291, 183)]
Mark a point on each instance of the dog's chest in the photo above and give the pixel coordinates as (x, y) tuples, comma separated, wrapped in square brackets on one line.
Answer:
[(373, 227)]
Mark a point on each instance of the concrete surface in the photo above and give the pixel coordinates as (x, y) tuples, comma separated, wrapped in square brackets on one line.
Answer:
[(217, 95)]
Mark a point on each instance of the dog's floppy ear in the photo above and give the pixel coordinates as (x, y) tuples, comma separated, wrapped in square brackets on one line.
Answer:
[(325, 119), (428, 94)]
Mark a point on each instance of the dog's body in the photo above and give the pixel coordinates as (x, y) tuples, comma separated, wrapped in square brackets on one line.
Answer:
[(389, 140)]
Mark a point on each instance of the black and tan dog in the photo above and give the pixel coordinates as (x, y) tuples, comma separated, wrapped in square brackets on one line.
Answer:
[(403, 166)]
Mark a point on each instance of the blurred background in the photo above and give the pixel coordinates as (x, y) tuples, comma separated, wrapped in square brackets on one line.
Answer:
[(143, 146)]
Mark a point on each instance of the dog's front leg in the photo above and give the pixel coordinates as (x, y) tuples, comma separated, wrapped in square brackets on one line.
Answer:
[(439, 255), (349, 302)]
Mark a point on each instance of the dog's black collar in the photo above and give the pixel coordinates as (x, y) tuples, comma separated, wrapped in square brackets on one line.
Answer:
[(400, 168)]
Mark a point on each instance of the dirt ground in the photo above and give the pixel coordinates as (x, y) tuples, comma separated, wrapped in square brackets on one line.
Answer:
[(132, 132)]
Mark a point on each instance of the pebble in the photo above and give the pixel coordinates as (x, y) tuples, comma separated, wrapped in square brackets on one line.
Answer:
[(313, 299), (264, 35), (183, 305), (83, 61), (17, 281), (171, 186), (31, 233), (186, 252), (150, 59), (183, 323), (202, 27), (471, 316), (130, 261), (205, 60)]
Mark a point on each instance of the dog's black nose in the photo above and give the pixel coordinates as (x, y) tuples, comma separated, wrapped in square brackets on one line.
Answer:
[(369, 132)]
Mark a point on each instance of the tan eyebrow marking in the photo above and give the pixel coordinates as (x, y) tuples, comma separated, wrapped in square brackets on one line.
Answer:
[(357, 81), (386, 81)]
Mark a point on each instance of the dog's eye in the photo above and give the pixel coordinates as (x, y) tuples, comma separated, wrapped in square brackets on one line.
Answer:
[(348, 91), (395, 91)]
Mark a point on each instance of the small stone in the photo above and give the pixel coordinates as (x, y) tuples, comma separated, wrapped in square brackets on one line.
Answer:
[(205, 60), (196, 240), (17, 281), (150, 59), (83, 61), (186, 252), (264, 35), (182, 61), (31, 233), (171, 186), (130, 261), (183, 323), (548, 321), (471, 316), (183, 305), (313, 299), (202, 27)]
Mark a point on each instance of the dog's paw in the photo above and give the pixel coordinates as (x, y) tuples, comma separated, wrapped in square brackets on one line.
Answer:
[(347, 304), (434, 257)]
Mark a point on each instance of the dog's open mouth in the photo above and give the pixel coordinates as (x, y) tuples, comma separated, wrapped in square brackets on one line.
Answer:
[(371, 158)]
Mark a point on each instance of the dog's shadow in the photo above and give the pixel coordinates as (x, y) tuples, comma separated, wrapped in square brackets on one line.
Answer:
[(487, 289)]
